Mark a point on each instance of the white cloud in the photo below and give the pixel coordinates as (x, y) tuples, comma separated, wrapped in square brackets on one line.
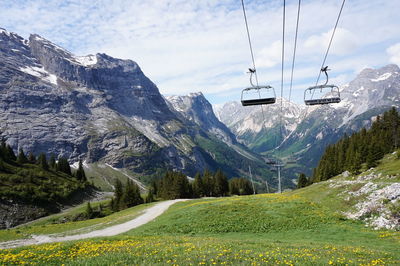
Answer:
[(270, 56), (191, 45), (344, 42), (394, 53)]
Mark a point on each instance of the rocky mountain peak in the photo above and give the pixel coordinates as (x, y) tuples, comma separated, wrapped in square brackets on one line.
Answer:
[(196, 108)]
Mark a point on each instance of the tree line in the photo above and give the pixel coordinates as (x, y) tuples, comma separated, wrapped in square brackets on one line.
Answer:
[(363, 147), (176, 185)]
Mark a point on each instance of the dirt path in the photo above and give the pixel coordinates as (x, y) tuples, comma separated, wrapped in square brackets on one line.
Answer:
[(148, 215)]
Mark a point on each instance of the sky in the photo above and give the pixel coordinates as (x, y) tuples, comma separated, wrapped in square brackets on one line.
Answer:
[(187, 46)]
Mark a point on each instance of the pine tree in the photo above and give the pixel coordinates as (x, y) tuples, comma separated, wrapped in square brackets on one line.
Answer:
[(198, 186), (302, 181), (131, 196), (43, 161), (63, 166), (89, 210), (2, 166), (3, 149), (21, 159), (80, 173), (240, 186), (10, 155), (221, 186), (31, 158), (52, 162), (356, 166), (150, 196), (208, 183), (118, 192)]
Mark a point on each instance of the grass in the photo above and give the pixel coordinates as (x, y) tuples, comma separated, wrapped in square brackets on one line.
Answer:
[(270, 229), (302, 227)]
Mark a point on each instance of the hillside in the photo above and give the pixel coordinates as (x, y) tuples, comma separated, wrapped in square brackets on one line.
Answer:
[(28, 191), (310, 226)]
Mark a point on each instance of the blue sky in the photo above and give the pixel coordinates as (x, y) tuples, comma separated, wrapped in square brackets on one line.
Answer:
[(188, 46)]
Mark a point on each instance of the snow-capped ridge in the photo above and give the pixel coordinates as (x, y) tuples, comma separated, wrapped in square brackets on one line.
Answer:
[(86, 60)]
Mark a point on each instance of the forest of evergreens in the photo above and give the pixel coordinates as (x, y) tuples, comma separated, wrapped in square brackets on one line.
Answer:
[(37, 180), (176, 185), (363, 147)]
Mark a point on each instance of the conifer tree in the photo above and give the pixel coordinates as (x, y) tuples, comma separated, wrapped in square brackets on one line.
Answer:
[(356, 166), (2, 166), (302, 181), (150, 196), (21, 157), (31, 158), (10, 155), (63, 166), (131, 196), (221, 186), (118, 192), (3, 149), (198, 186), (80, 173), (52, 162), (43, 161), (208, 183), (89, 210), (240, 186)]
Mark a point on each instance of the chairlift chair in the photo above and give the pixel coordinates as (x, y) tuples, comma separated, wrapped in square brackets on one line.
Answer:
[(331, 97), (266, 94)]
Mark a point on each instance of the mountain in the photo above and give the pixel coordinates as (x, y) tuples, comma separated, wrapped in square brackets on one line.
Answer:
[(195, 108), (257, 127), (370, 94), (102, 109), (306, 136)]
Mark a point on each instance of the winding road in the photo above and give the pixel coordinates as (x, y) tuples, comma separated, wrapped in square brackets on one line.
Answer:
[(148, 215)]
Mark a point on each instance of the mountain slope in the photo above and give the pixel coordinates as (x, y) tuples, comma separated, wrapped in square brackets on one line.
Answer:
[(99, 109), (370, 94)]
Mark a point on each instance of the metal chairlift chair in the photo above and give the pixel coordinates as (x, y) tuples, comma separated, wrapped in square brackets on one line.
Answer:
[(333, 97), (248, 98)]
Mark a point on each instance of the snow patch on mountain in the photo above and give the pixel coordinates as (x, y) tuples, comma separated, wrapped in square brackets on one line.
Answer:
[(41, 73), (382, 77), (87, 60)]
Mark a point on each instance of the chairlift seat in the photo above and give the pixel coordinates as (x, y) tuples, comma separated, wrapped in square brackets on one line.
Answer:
[(260, 100)]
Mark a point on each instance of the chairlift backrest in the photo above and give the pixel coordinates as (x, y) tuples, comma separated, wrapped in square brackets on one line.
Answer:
[(327, 99)]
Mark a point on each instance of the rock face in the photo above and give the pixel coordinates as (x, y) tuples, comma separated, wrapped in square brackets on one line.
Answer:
[(195, 108), (98, 108), (308, 130), (13, 213)]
